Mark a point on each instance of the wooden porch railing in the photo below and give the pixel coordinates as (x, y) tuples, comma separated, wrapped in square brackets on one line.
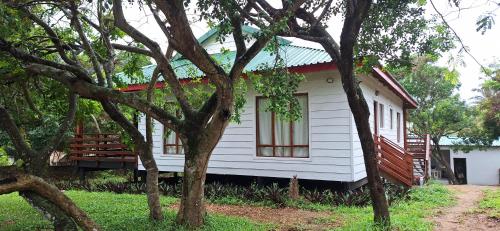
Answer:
[(395, 163), (100, 148)]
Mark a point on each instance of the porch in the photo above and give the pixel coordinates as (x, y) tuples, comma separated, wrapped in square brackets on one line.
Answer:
[(99, 151), (406, 166)]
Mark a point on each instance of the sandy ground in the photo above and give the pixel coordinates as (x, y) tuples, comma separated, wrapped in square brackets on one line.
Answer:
[(462, 216), (289, 219)]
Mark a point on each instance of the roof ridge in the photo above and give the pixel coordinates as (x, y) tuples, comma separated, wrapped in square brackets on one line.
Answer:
[(310, 48)]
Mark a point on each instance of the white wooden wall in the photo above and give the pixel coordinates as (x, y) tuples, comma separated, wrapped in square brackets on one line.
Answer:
[(390, 101), (334, 152), (482, 166)]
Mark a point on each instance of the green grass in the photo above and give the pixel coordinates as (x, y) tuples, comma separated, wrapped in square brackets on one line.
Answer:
[(490, 204), (405, 215), (112, 212)]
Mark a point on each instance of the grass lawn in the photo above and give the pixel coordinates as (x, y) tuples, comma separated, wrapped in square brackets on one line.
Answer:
[(490, 204), (129, 212), (112, 212), (405, 215)]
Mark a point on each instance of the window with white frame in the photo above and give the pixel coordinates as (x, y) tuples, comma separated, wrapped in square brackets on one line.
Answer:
[(282, 138)]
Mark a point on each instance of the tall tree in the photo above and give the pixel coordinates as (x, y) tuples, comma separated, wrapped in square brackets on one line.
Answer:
[(485, 113), (441, 113), (79, 52), (31, 145), (371, 32)]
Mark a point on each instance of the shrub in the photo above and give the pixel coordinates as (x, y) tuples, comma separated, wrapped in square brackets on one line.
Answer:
[(233, 194), (276, 195)]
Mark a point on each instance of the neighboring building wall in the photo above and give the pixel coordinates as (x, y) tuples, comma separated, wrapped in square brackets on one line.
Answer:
[(330, 156), (390, 101), (482, 166)]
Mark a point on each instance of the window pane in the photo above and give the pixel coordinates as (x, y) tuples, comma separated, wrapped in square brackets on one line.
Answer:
[(265, 129), (283, 151), (301, 126), (170, 150), (181, 148), (282, 130), (266, 151), (169, 137), (301, 152)]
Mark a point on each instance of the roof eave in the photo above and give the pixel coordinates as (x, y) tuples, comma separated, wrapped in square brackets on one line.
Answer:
[(387, 79)]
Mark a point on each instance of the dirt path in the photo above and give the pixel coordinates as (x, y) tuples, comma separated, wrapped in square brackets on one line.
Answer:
[(284, 218), (462, 216)]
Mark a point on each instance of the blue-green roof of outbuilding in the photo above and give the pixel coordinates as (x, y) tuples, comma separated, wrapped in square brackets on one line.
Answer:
[(294, 56), (451, 141)]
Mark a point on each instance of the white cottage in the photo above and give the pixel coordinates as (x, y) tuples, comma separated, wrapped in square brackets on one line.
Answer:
[(480, 166), (323, 145)]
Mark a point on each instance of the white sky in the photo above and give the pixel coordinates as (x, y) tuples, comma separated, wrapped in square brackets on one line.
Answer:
[(485, 48)]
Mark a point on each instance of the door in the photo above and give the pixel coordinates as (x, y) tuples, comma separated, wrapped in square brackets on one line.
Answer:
[(460, 167)]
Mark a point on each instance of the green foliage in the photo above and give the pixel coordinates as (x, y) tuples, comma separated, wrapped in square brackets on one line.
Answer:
[(4, 159), (440, 111), (485, 122), (396, 30), (411, 214), (264, 195), (112, 212), (275, 82), (485, 22), (490, 204)]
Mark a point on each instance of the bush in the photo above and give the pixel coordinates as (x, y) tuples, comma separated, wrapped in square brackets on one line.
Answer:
[(272, 195)]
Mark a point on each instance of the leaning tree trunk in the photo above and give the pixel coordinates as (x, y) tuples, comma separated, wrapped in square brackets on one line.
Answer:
[(356, 12), (361, 115), (145, 154), (447, 168), (13, 180), (60, 220)]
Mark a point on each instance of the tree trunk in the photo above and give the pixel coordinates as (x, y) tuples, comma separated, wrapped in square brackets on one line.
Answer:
[(60, 220), (145, 154), (192, 208), (375, 184), (12, 180), (153, 192), (447, 168), (155, 212), (356, 12)]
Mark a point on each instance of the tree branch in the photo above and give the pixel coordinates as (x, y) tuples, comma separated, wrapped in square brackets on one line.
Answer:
[(19, 54), (19, 182), (458, 37), (91, 91), (75, 21), (65, 125), (132, 49)]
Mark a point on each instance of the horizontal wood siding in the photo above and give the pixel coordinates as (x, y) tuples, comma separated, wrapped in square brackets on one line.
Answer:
[(329, 139), (390, 101)]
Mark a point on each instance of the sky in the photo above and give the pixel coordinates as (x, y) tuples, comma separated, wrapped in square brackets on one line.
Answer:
[(484, 48)]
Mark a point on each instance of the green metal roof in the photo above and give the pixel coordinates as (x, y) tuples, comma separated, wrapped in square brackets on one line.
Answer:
[(451, 141), (245, 29), (293, 56)]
